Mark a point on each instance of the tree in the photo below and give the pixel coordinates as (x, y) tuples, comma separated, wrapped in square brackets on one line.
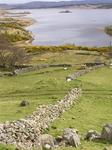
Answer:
[(11, 56)]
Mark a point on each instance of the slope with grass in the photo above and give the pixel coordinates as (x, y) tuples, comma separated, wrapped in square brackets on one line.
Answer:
[(92, 111), (48, 85), (42, 87)]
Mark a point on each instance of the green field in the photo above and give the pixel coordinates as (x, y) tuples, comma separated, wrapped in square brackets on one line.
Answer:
[(42, 87), (92, 111), (47, 86)]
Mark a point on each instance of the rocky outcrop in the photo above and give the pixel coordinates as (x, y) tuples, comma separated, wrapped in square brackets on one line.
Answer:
[(25, 133)]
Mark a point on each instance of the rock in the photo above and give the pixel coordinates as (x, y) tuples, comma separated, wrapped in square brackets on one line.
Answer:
[(71, 137), (65, 68), (47, 146), (24, 103), (106, 133), (68, 79), (92, 135), (65, 11), (106, 148), (47, 141)]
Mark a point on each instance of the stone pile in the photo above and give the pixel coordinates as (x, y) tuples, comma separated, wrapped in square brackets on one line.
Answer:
[(25, 133)]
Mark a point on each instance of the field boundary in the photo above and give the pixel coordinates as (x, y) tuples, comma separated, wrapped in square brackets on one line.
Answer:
[(25, 133)]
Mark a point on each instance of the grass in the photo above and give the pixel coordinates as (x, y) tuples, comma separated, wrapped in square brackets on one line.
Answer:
[(4, 147), (71, 57), (46, 86), (42, 87), (92, 111)]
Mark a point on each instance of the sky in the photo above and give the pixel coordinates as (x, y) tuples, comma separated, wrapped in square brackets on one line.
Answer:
[(23, 1)]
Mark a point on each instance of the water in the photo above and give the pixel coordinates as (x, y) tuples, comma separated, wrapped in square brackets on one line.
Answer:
[(81, 27)]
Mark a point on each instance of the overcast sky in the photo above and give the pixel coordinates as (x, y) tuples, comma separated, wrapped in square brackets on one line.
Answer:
[(23, 1)]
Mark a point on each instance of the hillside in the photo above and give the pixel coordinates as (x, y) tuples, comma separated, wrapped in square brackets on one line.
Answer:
[(45, 4)]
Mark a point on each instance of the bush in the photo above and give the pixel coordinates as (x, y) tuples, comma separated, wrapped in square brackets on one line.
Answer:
[(44, 49), (108, 30)]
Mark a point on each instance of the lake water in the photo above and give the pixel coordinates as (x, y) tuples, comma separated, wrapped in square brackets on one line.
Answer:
[(81, 27)]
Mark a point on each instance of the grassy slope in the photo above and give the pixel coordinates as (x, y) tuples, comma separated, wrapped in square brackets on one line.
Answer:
[(42, 87), (92, 111), (48, 85), (70, 56)]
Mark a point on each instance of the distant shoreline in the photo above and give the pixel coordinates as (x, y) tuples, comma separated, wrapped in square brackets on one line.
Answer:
[(62, 4), (28, 21)]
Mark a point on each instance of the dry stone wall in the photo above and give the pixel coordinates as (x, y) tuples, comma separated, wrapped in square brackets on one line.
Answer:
[(82, 72), (31, 68), (37, 67), (25, 133)]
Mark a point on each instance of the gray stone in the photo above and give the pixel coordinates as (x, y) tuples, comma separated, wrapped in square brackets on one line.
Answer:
[(71, 137), (106, 148), (47, 141), (92, 135), (24, 103), (106, 133), (47, 147)]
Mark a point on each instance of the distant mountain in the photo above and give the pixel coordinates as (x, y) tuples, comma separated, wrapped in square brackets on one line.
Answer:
[(44, 4), (98, 1)]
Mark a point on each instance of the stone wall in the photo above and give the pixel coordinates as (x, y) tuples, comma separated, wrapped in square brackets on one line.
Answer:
[(37, 67), (82, 72), (25, 133), (31, 68)]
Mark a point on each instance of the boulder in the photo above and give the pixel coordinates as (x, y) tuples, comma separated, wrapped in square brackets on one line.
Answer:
[(24, 103), (106, 148), (68, 79), (92, 135), (106, 133), (71, 137), (47, 141)]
